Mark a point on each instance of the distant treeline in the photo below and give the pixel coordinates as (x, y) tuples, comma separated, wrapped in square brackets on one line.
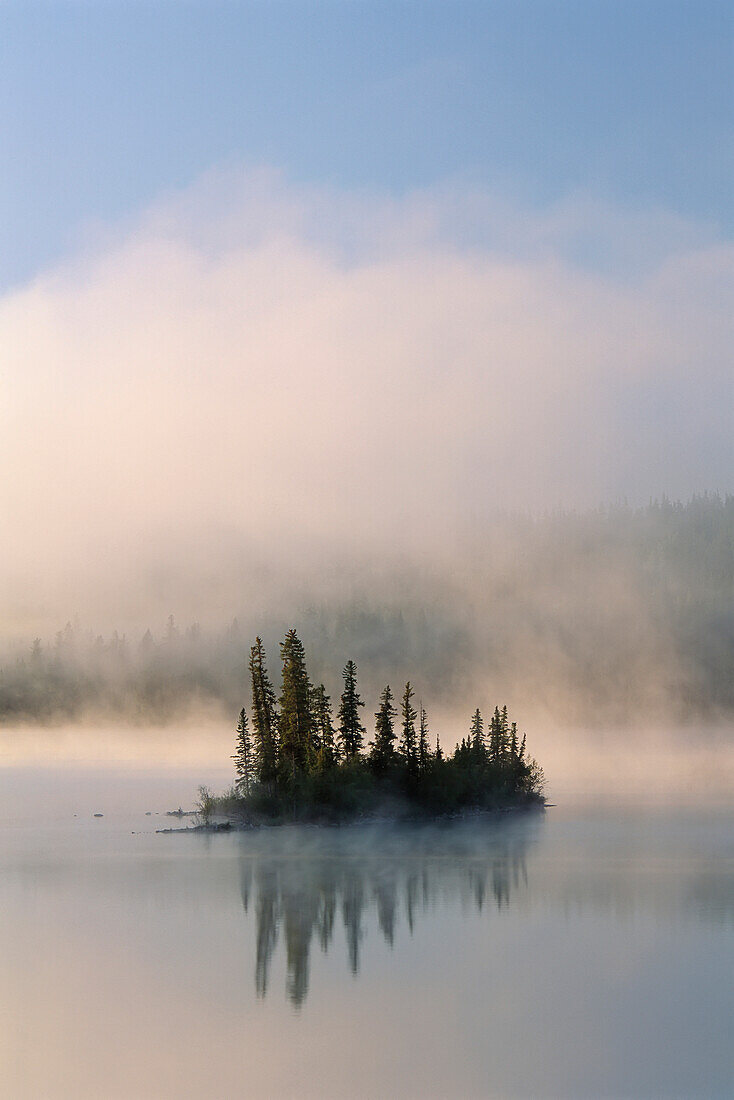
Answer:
[(614, 615), (296, 762)]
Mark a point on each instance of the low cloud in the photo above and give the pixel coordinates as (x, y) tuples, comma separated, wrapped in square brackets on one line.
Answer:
[(260, 378)]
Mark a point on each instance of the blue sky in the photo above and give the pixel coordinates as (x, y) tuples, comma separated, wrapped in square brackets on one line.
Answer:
[(459, 257), (107, 106)]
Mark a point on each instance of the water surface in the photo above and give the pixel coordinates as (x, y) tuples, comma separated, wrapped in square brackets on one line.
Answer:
[(575, 953)]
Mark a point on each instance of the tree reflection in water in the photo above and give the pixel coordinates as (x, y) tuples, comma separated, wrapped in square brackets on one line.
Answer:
[(298, 881)]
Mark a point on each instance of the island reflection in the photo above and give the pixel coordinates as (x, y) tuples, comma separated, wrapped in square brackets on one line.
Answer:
[(300, 883)]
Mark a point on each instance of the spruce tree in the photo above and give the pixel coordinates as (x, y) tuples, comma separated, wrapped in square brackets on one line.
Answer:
[(323, 738), (383, 746), (315, 740), (264, 715), (495, 737), (515, 762), (409, 715), (295, 724), (424, 752), (476, 731), (243, 761), (351, 730)]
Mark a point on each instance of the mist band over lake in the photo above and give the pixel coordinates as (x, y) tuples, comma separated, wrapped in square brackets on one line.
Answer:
[(367, 555), (577, 953)]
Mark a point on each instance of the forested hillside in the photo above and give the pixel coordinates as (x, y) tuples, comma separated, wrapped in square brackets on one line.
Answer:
[(613, 615)]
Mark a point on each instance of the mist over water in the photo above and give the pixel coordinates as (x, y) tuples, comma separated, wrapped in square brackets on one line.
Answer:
[(452, 401), (581, 952), (596, 619), (409, 428), (577, 953)]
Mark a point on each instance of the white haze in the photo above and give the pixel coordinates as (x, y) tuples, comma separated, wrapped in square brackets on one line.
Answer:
[(259, 382)]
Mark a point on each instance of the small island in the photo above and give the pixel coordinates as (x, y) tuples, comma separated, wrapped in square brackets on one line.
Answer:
[(293, 763)]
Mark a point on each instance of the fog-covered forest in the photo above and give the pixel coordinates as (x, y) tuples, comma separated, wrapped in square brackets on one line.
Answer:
[(616, 615)]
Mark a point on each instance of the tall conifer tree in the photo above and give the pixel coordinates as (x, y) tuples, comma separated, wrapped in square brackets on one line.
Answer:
[(243, 761), (324, 735), (409, 715), (264, 715), (476, 730), (295, 724), (383, 746), (351, 729), (495, 737), (424, 752)]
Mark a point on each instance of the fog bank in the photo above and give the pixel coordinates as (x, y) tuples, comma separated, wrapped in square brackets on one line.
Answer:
[(588, 619), (261, 382), (371, 418)]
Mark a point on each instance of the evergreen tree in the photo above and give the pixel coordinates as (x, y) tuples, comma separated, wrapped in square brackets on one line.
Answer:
[(264, 715), (409, 715), (476, 731), (315, 741), (495, 737), (487, 768), (383, 746), (516, 763), (296, 724), (424, 752), (351, 729), (243, 756), (324, 734)]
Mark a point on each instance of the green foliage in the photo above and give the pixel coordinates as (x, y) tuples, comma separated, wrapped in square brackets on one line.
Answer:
[(264, 715), (351, 730), (243, 760), (407, 742), (476, 730), (382, 754), (312, 782), (498, 734), (424, 753), (296, 722), (206, 804), (324, 755)]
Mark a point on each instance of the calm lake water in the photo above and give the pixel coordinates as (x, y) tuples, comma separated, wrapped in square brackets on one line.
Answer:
[(571, 954)]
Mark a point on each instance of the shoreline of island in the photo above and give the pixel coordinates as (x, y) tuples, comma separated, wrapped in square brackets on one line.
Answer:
[(298, 762), (487, 813)]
